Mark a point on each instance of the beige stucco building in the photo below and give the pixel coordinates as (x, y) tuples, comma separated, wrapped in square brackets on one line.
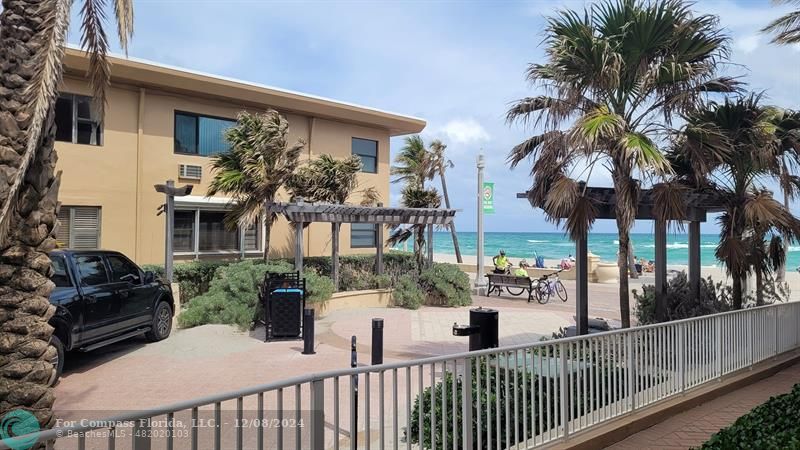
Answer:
[(163, 123)]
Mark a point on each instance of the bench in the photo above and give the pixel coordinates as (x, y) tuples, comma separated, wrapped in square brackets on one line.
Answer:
[(498, 281)]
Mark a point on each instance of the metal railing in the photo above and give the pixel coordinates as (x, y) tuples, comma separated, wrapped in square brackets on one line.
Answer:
[(521, 396)]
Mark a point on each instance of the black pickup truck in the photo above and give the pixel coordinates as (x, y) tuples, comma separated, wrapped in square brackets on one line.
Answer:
[(101, 297)]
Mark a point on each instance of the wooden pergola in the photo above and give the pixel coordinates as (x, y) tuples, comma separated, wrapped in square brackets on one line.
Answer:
[(300, 213), (697, 203)]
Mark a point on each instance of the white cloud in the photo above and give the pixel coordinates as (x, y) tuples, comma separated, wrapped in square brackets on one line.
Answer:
[(747, 44), (465, 131)]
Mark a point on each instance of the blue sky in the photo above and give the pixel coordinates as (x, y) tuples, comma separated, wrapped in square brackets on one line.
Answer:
[(456, 64)]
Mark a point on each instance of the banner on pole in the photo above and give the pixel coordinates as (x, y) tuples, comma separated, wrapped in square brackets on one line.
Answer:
[(488, 198)]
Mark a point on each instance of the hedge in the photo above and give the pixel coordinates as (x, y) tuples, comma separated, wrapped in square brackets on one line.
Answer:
[(771, 425)]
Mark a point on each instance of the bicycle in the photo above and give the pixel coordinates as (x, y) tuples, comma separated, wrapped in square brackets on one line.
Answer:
[(549, 285)]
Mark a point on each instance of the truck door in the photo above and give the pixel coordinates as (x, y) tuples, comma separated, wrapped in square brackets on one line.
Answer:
[(136, 298), (101, 306)]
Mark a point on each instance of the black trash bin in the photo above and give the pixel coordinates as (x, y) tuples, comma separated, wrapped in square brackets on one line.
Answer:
[(283, 299)]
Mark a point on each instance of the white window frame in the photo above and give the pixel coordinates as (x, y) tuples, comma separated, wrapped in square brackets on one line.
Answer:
[(71, 224)]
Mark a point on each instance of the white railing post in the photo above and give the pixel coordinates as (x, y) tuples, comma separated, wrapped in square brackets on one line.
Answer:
[(466, 405), (141, 434), (775, 330), (751, 334), (562, 353), (631, 371), (718, 336), (317, 429), (681, 357)]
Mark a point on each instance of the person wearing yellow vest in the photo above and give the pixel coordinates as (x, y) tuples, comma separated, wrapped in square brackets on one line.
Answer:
[(501, 263), (520, 271)]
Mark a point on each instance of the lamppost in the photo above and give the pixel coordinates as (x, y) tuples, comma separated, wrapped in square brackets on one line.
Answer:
[(170, 191), (480, 283)]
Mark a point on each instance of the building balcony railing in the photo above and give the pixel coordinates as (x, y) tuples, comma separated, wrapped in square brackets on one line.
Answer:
[(523, 395)]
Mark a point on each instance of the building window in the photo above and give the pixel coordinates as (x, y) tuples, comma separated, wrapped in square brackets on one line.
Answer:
[(79, 227), (201, 231), (363, 235), (77, 121), (367, 150), (201, 135)]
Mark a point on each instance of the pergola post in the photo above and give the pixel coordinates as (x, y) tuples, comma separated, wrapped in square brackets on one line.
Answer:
[(661, 268), (430, 245), (379, 246), (298, 247), (582, 286), (335, 227), (694, 258)]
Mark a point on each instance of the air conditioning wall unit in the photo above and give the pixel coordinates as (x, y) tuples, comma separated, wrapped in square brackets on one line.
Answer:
[(190, 172)]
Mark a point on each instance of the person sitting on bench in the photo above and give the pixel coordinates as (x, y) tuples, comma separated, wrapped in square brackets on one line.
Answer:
[(520, 271), (501, 263)]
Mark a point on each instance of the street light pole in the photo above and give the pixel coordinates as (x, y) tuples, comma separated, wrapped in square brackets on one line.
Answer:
[(170, 191), (480, 284)]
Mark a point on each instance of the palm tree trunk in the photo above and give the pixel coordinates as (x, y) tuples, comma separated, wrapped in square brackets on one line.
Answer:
[(25, 267), (452, 224), (736, 291), (267, 233), (780, 277), (759, 288), (419, 246), (624, 300)]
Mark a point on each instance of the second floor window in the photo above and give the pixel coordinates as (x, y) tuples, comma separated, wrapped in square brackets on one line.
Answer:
[(77, 120), (367, 150), (200, 135)]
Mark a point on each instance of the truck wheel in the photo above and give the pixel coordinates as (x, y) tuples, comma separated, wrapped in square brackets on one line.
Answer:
[(57, 360), (162, 323)]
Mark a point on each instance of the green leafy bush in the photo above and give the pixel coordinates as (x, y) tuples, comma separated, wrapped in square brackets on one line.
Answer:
[(680, 304), (232, 297), (445, 285), (407, 294), (193, 277), (771, 425)]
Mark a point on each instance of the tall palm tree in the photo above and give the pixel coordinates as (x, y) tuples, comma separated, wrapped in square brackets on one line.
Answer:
[(32, 38), (786, 29), (615, 76), (326, 179), (787, 136), (413, 166), (731, 148), (260, 162), (439, 165)]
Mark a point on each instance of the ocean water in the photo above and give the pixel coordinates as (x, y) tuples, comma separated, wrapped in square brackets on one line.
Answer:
[(605, 245)]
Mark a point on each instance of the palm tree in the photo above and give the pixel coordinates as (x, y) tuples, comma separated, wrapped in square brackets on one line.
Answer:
[(731, 147), (439, 164), (614, 78), (412, 166), (787, 136), (260, 162), (786, 29), (31, 50), (326, 179)]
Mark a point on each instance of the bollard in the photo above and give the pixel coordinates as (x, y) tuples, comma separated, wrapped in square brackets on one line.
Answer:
[(377, 341), (308, 331)]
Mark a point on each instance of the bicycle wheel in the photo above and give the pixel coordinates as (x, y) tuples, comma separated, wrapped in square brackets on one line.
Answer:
[(515, 291), (543, 293), (561, 291)]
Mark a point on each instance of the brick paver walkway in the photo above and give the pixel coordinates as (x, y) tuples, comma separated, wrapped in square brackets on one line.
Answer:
[(695, 426)]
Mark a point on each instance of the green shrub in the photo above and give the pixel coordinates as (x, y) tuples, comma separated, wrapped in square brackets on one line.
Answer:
[(542, 392), (193, 277), (771, 425), (232, 297), (680, 304), (445, 285), (406, 293)]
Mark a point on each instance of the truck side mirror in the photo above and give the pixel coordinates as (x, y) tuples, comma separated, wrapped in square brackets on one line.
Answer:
[(149, 277)]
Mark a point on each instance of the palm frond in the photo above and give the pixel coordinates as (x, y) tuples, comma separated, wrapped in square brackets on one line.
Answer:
[(95, 42), (123, 11), (786, 29), (41, 92)]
